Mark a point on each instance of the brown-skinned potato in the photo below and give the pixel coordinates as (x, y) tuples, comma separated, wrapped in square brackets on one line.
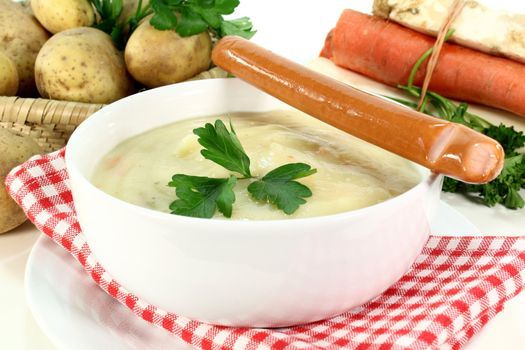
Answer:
[(59, 15), (8, 76), (161, 57), (21, 37), (14, 150), (83, 65)]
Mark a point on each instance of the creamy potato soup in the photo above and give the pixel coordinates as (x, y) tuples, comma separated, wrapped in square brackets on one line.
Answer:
[(351, 173)]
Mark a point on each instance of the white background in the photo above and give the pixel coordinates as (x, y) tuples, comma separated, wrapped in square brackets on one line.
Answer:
[(295, 29)]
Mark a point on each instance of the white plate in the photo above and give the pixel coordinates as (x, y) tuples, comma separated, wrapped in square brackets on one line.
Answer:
[(76, 314)]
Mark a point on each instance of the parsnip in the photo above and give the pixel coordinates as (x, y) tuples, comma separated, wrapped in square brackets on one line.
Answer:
[(478, 27)]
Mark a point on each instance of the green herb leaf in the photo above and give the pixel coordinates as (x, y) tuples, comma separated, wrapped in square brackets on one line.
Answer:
[(190, 23), (279, 188), (118, 37), (186, 17), (201, 196), (109, 12), (197, 16), (205, 3), (240, 27), (223, 147), (141, 12), (226, 7), (164, 18), (210, 15), (452, 185), (514, 200), (116, 8), (509, 138)]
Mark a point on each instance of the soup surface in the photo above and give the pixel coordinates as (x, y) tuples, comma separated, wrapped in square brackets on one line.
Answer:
[(351, 173)]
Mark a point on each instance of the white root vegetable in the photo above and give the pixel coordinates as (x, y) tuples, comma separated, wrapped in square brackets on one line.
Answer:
[(477, 26)]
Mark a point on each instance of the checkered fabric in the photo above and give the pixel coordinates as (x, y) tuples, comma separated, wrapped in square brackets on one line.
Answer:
[(454, 288)]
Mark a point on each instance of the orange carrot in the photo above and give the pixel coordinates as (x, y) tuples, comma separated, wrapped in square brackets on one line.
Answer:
[(386, 52)]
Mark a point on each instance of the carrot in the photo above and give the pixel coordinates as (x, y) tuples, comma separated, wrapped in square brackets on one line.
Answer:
[(386, 52)]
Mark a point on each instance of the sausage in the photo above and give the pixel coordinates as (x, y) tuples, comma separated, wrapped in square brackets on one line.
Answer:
[(444, 147)]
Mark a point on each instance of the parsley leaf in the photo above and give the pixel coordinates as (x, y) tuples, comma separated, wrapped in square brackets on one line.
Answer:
[(189, 17), (223, 147), (186, 17), (164, 18), (226, 6), (201, 196), (240, 27), (509, 138), (279, 188), (211, 16), (190, 23), (514, 200)]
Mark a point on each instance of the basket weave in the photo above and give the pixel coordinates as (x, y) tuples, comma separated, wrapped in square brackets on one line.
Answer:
[(48, 122), (51, 122)]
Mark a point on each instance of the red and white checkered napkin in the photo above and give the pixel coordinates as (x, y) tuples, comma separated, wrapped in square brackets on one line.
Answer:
[(455, 287)]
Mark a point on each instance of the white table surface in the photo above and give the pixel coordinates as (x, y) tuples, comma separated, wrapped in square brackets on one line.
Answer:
[(18, 330)]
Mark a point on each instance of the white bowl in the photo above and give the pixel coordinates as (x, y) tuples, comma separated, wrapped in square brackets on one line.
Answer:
[(238, 273)]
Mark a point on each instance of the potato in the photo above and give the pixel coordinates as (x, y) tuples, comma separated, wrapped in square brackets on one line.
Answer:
[(8, 76), (21, 37), (161, 57), (81, 64), (14, 150), (59, 15)]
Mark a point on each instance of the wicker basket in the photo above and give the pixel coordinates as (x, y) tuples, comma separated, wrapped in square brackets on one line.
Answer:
[(51, 122)]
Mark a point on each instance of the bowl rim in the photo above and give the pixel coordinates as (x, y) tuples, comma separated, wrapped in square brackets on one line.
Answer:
[(427, 180)]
